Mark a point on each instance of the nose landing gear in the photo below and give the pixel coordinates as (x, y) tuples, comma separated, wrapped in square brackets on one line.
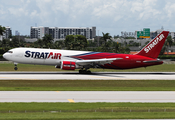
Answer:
[(15, 68)]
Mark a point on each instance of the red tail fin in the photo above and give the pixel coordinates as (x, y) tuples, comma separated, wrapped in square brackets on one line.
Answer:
[(153, 48)]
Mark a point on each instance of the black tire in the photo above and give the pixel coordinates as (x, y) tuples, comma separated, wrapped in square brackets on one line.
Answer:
[(15, 68), (88, 72), (80, 71), (84, 72)]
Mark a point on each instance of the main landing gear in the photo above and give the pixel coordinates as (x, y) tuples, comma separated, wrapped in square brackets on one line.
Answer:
[(84, 71), (15, 68)]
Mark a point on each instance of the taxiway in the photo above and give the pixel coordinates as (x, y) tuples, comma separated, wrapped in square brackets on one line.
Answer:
[(88, 96)]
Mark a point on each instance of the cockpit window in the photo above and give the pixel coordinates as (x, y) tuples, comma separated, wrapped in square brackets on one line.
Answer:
[(10, 52)]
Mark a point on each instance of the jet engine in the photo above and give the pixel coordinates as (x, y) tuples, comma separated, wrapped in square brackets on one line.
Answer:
[(68, 65)]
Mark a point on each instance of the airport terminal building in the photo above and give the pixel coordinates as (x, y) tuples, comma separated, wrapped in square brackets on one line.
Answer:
[(61, 32)]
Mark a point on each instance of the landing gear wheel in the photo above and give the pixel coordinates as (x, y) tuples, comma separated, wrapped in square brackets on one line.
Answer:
[(84, 72), (81, 71), (15, 68), (88, 72)]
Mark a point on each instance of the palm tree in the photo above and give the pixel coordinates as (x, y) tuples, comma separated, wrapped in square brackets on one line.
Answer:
[(105, 38), (168, 43), (2, 30), (59, 44), (48, 41), (76, 42)]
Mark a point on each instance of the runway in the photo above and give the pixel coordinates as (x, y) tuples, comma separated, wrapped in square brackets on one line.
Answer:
[(93, 76), (88, 96)]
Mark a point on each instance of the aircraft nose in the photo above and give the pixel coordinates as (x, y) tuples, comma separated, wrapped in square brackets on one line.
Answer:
[(4, 55)]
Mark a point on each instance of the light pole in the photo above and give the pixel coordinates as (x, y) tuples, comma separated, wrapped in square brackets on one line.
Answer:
[(74, 42), (98, 38)]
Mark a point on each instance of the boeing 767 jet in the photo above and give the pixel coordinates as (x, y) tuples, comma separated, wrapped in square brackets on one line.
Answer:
[(83, 60)]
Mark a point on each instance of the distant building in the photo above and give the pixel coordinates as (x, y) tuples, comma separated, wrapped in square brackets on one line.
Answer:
[(0, 37), (7, 34), (17, 33), (153, 34), (157, 32), (127, 34), (172, 34), (62, 32), (38, 32)]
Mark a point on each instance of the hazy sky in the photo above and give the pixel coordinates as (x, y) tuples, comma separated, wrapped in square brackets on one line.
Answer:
[(112, 16)]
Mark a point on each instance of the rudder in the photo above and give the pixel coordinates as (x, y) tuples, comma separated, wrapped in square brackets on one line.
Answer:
[(153, 48)]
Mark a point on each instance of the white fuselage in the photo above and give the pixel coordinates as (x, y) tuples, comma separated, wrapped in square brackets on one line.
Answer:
[(40, 56)]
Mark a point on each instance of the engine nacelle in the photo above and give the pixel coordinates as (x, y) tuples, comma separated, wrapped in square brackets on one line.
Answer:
[(68, 65)]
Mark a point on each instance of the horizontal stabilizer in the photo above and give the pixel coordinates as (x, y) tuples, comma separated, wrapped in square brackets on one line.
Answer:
[(152, 61)]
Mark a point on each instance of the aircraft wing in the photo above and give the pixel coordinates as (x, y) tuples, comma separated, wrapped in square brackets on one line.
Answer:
[(98, 61)]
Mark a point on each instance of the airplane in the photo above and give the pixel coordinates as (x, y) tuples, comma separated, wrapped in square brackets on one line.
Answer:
[(84, 60)]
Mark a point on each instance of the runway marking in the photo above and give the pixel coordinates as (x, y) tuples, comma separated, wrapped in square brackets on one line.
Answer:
[(70, 100)]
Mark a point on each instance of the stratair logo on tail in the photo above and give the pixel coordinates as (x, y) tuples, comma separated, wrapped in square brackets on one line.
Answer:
[(43, 55), (154, 43)]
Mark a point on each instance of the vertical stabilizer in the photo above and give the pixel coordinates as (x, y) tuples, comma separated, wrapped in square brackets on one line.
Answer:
[(153, 48)]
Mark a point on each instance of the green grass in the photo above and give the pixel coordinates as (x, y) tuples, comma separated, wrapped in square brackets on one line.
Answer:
[(28, 67), (87, 111), (87, 115), (83, 107), (87, 85)]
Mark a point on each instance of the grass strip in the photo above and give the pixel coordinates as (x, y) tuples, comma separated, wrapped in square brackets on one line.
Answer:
[(28, 67), (87, 85), (87, 111), (80, 115)]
